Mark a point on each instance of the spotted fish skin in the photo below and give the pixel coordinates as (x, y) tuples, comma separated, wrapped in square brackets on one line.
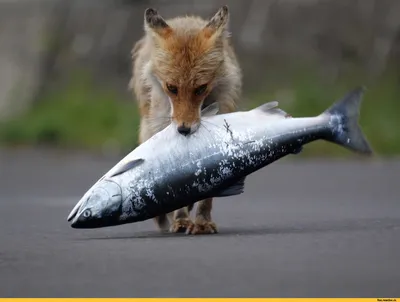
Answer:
[(170, 171)]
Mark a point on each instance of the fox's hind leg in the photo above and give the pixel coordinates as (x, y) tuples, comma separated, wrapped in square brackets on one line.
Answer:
[(203, 223)]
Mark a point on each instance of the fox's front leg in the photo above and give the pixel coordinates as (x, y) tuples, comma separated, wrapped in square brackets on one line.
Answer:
[(181, 221), (203, 223)]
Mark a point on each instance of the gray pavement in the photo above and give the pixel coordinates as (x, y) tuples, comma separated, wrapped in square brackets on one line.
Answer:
[(301, 229)]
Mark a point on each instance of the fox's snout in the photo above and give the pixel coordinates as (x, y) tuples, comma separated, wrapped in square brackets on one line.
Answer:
[(185, 129), (186, 110)]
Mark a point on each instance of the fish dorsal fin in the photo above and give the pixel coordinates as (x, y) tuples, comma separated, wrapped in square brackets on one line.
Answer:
[(266, 106), (210, 110), (270, 108), (235, 189), (127, 166)]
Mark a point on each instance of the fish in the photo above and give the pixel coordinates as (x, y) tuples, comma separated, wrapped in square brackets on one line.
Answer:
[(170, 171)]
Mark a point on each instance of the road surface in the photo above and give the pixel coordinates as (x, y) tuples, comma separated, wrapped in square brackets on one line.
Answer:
[(301, 229)]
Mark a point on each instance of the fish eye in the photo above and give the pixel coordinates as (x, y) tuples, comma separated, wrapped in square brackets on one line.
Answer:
[(87, 213)]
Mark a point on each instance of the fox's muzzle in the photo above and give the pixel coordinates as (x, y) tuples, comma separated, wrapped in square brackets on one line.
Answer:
[(185, 130), (182, 129)]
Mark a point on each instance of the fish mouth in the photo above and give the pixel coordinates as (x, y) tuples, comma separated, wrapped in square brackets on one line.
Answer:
[(75, 210), (99, 219), (94, 223), (74, 223), (72, 214), (78, 206), (85, 197)]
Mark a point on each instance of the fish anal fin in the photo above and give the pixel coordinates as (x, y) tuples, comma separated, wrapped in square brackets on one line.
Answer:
[(236, 189)]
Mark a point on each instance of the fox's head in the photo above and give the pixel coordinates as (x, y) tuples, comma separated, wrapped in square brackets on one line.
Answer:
[(187, 60)]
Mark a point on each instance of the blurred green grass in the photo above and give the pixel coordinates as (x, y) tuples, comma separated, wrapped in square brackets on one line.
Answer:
[(310, 94), (79, 115), (83, 115)]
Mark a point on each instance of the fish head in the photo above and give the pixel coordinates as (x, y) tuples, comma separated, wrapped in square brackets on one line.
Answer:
[(103, 207)]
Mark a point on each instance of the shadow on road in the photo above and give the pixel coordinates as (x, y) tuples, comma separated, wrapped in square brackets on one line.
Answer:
[(320, 227)]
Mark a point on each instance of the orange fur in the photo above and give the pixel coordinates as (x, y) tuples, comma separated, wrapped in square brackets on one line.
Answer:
[(179, 65)]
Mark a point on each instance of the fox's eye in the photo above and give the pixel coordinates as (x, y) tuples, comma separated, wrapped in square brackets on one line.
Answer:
[(200, 90), (173, 89)]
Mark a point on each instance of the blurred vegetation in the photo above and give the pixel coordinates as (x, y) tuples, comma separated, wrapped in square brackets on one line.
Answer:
[(77, 114), (310, 94), (82, 114), (346, 44)]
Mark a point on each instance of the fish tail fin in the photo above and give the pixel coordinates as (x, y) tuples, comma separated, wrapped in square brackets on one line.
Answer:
[(343, 121)]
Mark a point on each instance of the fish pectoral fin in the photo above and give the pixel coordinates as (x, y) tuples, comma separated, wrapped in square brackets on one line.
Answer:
[(210, 110), (127, 166), (270, 108), (235, 189)]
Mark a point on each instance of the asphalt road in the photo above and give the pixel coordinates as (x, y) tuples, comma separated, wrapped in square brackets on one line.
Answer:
[(301, 229)]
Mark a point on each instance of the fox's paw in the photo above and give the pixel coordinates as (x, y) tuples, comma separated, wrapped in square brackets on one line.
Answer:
[(202, 226), (181, 225)]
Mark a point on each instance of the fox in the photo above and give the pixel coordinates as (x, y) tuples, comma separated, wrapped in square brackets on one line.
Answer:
[(180, 66)]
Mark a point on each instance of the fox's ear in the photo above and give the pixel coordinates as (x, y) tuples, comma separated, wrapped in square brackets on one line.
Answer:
[(155, 23), (218, 23)]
